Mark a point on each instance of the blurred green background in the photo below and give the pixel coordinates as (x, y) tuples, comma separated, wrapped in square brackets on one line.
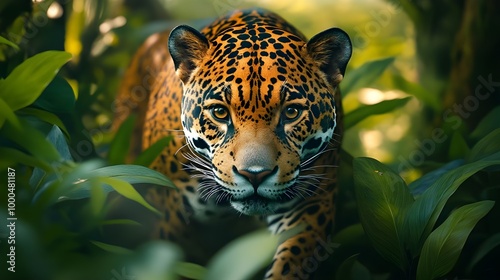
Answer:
[(421, 96)]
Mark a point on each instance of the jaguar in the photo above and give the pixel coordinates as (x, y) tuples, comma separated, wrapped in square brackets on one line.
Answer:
[(254, 113)]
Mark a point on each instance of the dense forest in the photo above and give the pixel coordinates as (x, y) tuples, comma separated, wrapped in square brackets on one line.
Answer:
[(420, 163)]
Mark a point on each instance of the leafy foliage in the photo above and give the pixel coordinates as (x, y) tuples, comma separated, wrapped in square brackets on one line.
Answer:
[(402, 228)]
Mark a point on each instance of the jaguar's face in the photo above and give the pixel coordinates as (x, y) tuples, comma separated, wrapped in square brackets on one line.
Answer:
[(256, 114)]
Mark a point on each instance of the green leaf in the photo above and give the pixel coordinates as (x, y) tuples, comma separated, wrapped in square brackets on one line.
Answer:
[(424, 212), (82, 188), (365, 75), (16, 156), (79, 184), (6, 113), (119, 147), (443, 246), (351, 268), (486, 146), (97, 199), (134, 174), (62, 185), (486, 247), (246, 256), (345, 269), (45, 116), (360, 272), (58, 97), (111, 248), (156, 260), (359, 114), (190, 270), (127, 190), (56, 138), (127, 222), (350, 235), (9, 43), (147, 157), (382, 198), (27, 81), (428, 97), (458, 147), (418, 186), (487, 124), (32, 141)]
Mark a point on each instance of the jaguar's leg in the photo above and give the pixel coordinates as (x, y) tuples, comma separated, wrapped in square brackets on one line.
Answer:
[(298, 257)]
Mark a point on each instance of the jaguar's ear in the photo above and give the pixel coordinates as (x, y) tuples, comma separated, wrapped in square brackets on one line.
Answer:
[(187, 46), (331, 49)]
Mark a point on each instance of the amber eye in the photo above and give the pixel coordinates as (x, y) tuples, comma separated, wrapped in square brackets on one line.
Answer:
[(291, 113), (220, 113)]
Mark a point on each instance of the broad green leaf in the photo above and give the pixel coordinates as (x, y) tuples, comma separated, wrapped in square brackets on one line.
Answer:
[(111, 248), (82, 188), (351, 268), (16, 156), (45, 116), (27, 81), (56, 138), (350, 235), (420, 185), (127, 190), (127, 222), (443, 246), (382, 198), (69, 179), (344, 271), (424, 212), (32, 141), (156, 260), (428, 97), (6, 113), (58, 97), (134, 174), (487, 124), (361, 113), (360, 272), (458, 147), (246, 256), (486, 247), (9, 43), (486, 146), (147, 157), (364, 75), (97, 199), (118, 149), (190, 270)]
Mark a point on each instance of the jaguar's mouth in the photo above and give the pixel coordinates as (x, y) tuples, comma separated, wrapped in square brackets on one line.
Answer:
[(250, 200), (256, 204), (257, 197)]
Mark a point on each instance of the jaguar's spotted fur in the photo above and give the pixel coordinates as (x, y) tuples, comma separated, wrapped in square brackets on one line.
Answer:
[(256, 117)]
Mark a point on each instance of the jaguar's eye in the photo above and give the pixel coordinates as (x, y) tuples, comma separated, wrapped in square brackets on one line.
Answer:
[(220, 113), (291, 113)]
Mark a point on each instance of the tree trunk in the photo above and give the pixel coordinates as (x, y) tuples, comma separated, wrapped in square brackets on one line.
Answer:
[(474, 81), (457, 46)]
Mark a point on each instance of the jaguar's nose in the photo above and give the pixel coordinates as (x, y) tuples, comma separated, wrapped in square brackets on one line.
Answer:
[(255, 175)]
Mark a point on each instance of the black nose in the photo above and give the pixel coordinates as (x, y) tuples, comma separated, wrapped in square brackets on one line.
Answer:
[(255, 177)]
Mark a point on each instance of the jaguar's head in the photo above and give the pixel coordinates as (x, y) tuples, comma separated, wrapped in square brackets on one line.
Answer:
[(258, 104)]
